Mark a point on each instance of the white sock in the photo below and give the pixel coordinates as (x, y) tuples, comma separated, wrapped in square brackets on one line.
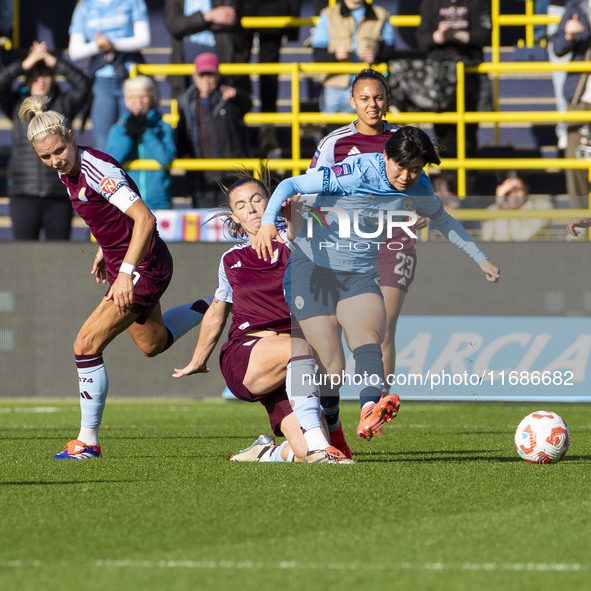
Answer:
[(89, 435), (305, 400), (315, 439)]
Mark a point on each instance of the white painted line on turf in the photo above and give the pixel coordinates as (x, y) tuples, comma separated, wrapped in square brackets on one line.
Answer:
[(349, 566), (561, 567)]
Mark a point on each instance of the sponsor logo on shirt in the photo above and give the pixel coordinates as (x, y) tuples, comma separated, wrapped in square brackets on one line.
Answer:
[(354, 150), (82, 195), (108, 186), (341, 169), (236, 265)]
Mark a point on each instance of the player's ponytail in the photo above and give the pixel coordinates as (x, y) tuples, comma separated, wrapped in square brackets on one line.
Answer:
[(42, 122)]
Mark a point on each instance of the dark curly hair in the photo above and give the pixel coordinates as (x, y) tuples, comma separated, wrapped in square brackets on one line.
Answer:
[(369, 74)]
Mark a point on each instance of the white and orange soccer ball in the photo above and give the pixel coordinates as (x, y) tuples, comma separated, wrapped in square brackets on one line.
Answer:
[(542, 437)]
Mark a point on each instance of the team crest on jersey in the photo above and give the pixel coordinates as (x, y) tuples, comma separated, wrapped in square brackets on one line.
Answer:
[(341, 169), (275, 256), (299, 302), (315, 159), (82, 195), (408, 203), (108, 186)]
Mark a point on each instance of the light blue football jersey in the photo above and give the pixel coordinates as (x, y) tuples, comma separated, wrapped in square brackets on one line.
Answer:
[(359, 187)]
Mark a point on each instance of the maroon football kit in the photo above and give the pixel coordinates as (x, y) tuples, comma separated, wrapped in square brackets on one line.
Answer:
[(100, 193)]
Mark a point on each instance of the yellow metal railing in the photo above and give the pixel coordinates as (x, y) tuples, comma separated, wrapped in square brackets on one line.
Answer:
[(296, 119)]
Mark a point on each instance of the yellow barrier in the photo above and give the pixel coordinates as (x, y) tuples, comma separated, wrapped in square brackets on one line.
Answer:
[(296, 119)]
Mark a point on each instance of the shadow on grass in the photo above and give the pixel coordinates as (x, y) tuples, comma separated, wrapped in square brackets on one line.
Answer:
[(488, 432), (451, 456), (471, 455), (112, 437)]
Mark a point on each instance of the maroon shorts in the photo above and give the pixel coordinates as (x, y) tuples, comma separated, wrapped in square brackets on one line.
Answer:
[(150, 280), (395, 265), (234, 358)]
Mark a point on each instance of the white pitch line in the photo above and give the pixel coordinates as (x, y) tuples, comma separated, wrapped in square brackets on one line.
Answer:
[(25, 409), (561, 567)]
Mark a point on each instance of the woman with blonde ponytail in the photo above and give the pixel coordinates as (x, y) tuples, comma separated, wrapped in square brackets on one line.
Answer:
[(131, 257)]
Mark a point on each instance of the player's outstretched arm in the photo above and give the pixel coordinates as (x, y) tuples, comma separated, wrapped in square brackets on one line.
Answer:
[(286, 189), (575, 223), (212, 326), (491, 271)]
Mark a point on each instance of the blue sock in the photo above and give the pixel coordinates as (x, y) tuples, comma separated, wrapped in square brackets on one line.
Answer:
[(181, 319), (368, 362), (274, 454), (94, 385)]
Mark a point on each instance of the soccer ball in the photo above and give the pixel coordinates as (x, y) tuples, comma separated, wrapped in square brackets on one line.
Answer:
[(542, 437)]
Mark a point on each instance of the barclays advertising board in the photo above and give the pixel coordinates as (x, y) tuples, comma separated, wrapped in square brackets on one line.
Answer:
[(488, 358)]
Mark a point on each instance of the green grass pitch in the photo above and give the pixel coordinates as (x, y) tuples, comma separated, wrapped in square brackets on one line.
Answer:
[(440, 502)]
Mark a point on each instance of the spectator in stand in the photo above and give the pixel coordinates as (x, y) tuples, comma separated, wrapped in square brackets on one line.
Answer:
[(6, 17), (512, 193), (205, 26), (38, 200), (269, 43), (444, 185), (350, 31), (111, 33), (556, 8), (457, 30), (211, 125), (574, 35), (141, 133)]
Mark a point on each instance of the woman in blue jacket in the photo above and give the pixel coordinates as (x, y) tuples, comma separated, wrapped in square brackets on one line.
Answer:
[(142, 134)]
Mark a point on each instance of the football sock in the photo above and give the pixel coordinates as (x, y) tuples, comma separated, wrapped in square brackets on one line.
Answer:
[(337, 438), (368, 362), (273, 454), (89, 435), (181, 319), (304, 399), (329, 404), (94, 385)]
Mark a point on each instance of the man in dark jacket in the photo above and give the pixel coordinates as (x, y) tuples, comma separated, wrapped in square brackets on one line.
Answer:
[(216, 30), (457, 30), (211, 125), (38, 199)]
